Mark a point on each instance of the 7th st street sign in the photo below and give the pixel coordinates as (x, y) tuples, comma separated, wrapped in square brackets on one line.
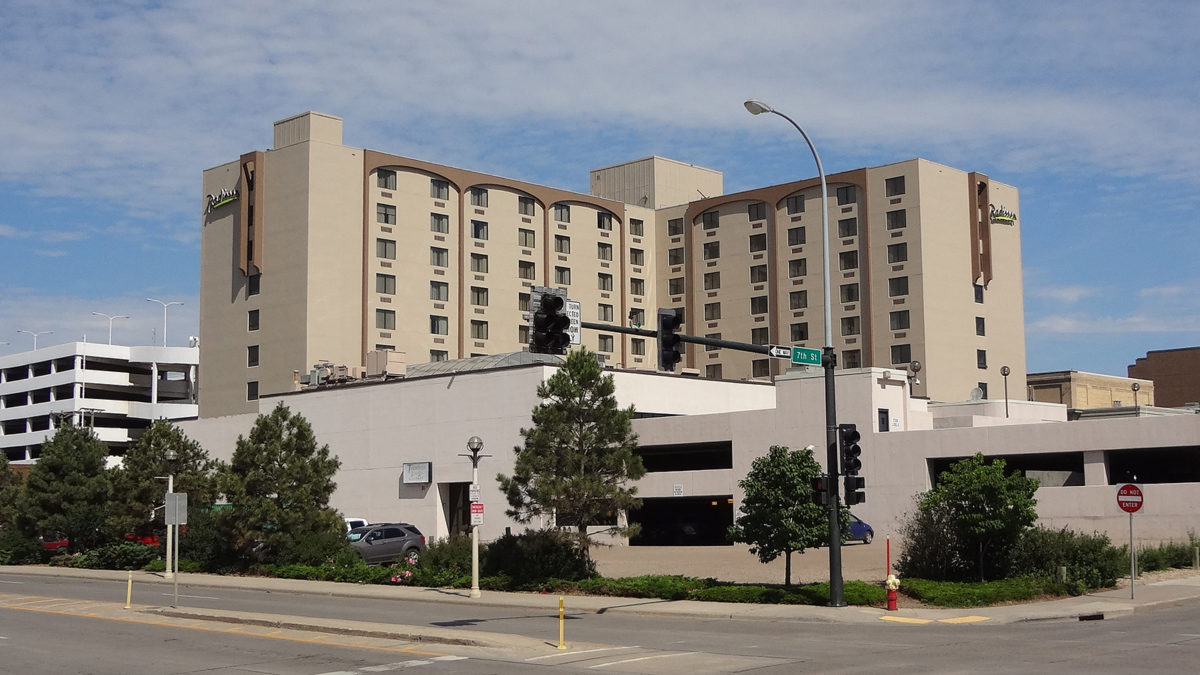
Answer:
[(800, 356)]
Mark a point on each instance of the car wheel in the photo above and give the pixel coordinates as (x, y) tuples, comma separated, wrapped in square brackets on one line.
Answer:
[(868, 537), (412, 556)]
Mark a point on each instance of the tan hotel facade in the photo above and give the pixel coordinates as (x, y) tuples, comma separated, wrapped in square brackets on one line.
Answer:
[(314, 251)]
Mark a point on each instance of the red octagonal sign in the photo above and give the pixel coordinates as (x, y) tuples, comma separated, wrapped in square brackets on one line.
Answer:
[(1129, 497)]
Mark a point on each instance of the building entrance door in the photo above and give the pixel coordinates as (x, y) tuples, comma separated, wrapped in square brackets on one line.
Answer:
[(458, 509)]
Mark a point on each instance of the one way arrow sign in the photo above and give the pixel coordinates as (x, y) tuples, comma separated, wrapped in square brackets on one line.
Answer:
[(780, 352)]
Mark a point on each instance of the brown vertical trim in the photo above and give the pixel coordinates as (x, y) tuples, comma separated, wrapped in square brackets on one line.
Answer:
[(866, 329), (981, 234), (368, 318), (250, 206)]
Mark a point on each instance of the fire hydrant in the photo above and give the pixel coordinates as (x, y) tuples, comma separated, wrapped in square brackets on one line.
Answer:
[(892, 585)]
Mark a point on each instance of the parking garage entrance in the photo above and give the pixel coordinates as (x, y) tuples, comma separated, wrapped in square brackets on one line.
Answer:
[(683, 521)]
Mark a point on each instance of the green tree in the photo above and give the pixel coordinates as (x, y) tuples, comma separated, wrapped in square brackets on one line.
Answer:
[(278, 484), (10, 492), (67, 490), (138, 487), (778, 513), (578, 457)]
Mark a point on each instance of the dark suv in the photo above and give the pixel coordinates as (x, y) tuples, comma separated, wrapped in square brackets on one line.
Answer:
[(384, 543)]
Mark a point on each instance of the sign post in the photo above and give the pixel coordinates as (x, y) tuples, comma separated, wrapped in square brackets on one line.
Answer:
[(1130, 499)]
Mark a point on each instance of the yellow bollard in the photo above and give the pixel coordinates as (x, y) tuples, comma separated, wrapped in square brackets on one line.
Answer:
[(562, 643), (129, 591)]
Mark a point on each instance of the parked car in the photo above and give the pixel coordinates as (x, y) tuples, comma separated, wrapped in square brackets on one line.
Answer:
[(52, 541), (860, 531), (352, 522), (384, 543)]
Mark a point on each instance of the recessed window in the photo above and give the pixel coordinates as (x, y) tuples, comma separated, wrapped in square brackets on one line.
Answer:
[(759, 336), (439, 222), (796, 236), (848, 227), (252, 320), (605, 343), (901, 354), (797, 268), (438, 355), (439, 325), (893, 186), (638, 346), (637, 286), (712, 281), (979, 294), (712, 336), (846, 195), (851, 358), (479, 330), (526, 238), (758, 304), (980, 328), (850, 325), (385, 248), (758, 242), (760, 368), (899, 320), (479, 263), (385, 319), (479, 296), (637, 257), (798, 299), (674, 227), (385, 214), (758, 274), (604, 221), (636, 227), (981, 358), (604, 281), (713, 371), (479, 196), (757, 211), (848, 260), (897, 220), (251, 356), (253, 284), (897, 253), (795, 204), (439, 290), (675, 256), (562, 276), (562, 213), (712, 311), (897, 286), (637, 317), (562, 243), (604, 312), (710, 220), (800, 332), (385, 284), (438, 257), (523, 333), (522, 302), (382, 347), (849, 293), (675, 286), (525, 206), (712, 250), (479, 229), (252, 391), (386, 179), (439, 189), (604, 251), (526, 269)]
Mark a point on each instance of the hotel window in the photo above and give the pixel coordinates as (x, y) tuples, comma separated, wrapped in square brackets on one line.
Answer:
[(760, 368), (252, 391), (439, 189), (710, 219), (562, 276), (758, 274), (897, 253), (846, 195), (798, 299), (982, 389), (637, 257), (712, 250), (479, 229), (526, 238), (981, 358), (758, 304), (525, 206), (979, 294), (638, 346), (523, 333), (800, 332), (562, 243), (385, 248), (252, 320), (674, 227), (712, 281), (675, 256), (562, 213), (849, 292), (758, 242), (757, 211), (712, 311), (386, 179), (897, 286), (637, 317), (522, 302), (526, 269), (385, 319), (896, 220), (384, 348), (254, 284), (385, 284), (606, 343), (636, 227), (758, 336), (848, 227), (439, 222), (438, 257), (479, 296), (899, 320), (979, 326), (712, 336), (479, 196), (850, 325), (893, 186), (251, 356), (604, 251), (795, 204), (797, 268), (795, 236), (851, 358), (438, 355), (713, 371), (479, 330), (385, 213), (439, 290), (848, 260), (604, 312), (901, 354), (637, 286), (675, 286), (479, 263), (604, 281), (439, 325), (604, 221)]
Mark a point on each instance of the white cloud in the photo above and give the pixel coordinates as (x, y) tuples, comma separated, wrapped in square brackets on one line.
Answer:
[(11, 232), (1067, 294), (50, 253)]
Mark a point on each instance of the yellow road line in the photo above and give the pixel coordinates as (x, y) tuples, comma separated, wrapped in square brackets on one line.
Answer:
[(905, 619), (964, 619)]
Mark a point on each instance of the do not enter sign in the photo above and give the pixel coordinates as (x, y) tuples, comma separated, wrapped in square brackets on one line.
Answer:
[(1129, 498)]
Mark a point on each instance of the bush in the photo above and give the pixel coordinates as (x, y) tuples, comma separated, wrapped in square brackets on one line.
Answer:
[(19, 549), (208, 543), (667, 587), (931, 549), (123, 556), (533, 557), (981, 594), (1091, 560), (316, 548), (1166, 555), (445, 562)]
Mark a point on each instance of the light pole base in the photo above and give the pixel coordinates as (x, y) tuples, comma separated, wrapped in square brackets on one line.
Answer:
[(475, 593)]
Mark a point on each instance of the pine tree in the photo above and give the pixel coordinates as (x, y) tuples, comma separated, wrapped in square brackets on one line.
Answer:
[(10, 491), (138, 486), (67, 490), (578, 457)]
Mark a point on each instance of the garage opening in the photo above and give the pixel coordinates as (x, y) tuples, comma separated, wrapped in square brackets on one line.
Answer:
[(683, 521)]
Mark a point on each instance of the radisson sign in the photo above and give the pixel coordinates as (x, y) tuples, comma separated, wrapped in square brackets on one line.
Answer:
[(225, 196), (999, 214)]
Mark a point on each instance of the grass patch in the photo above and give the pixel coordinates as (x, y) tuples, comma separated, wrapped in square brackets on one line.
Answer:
[(965, 594)]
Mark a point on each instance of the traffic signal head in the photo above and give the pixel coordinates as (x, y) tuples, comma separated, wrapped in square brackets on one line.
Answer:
[(820, 490), (549, 323), (848, 438), (669, 321), (854, 490)]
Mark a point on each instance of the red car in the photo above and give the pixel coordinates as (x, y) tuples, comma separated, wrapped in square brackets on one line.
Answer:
[(54, 542)]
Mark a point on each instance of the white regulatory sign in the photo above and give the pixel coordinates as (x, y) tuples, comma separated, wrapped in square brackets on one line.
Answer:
[(475, 494), (575, 314), (779, 352)]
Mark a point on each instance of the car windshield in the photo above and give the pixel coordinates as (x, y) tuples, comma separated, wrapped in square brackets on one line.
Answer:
[(357, 533)]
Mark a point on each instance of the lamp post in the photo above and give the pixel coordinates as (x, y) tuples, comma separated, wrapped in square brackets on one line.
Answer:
[(915, 367), (1135, 387), (172, 458), (1005, 370), (165, 305), (829, 361), (35, 335), (110, 318), (474, 444)]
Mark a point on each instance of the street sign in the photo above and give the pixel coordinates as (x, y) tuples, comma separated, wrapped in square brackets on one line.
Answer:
[(477, 513), (803, 356), (1129, 498), (779, 352), (176, 509), (475, 493), (575, 314)]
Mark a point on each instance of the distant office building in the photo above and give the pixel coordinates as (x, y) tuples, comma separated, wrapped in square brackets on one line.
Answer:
[(1076, 389), (118, 391), (1175, 372), (314, 251)]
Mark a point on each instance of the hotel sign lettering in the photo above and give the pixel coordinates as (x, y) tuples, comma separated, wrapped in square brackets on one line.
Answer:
[(999, 214), (225, 196)]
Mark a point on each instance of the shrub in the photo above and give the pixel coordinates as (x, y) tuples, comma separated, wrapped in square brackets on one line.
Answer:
[(19, 549), (123, 556), (445, 562), (1166, 555), (531, 558), (1090, 559), (931, 548), (316, 548), (208, 543), (957, 594), (667, 587)]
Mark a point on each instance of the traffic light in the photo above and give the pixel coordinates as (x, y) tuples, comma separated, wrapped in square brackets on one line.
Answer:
[(848, 438), (549, 323), (669, 321), (854, 490), (820, 490)]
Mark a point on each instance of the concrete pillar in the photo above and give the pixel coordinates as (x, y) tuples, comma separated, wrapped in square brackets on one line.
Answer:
[(1095, 472)]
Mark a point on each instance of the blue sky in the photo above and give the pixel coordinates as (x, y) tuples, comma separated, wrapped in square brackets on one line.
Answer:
[(109, 112)]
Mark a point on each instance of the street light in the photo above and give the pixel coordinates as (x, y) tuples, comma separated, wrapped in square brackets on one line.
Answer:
[(110, 318), (828, 360), (165, 305), (35, 335), (1135, 386), (1005, 370), (474, 444), (172, 458)]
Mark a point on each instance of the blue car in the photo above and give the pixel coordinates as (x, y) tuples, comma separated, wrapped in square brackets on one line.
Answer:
[(859, 531)]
